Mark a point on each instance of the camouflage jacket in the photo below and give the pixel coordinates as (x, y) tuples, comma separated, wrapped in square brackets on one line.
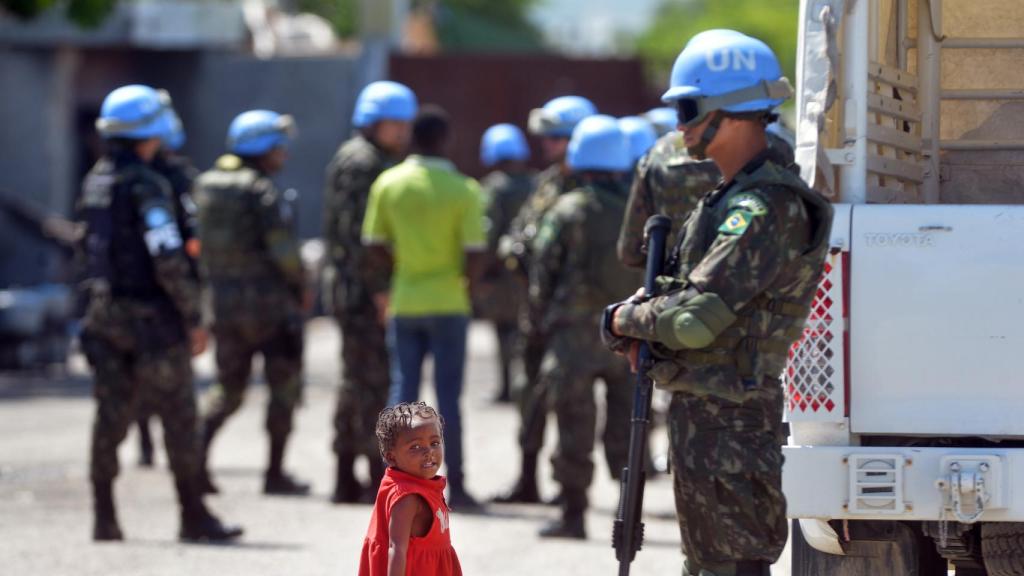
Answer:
[(666, 181), (759, 244), (349, 278), (501, 292), (134, 255), (247, 231), (574, 272)]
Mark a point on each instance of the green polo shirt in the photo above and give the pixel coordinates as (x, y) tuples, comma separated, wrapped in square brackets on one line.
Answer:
[(429, 215)]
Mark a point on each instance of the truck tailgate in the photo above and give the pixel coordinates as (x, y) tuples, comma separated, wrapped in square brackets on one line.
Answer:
[(937, 320)]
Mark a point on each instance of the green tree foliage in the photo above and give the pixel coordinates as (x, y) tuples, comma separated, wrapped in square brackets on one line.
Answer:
[(509, 11), (83, 12), (774, 21), (341, 14)]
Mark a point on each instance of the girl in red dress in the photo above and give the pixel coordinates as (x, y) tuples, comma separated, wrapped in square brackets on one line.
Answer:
[(408, 534)]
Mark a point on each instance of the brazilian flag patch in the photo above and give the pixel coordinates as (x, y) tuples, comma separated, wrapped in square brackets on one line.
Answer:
[(736, 223)]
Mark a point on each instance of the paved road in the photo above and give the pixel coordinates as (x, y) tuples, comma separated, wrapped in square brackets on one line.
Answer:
[(45, 517)]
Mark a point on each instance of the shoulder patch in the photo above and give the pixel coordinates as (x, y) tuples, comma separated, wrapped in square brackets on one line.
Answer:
[(736, 223), (157, 216), (749, 203)]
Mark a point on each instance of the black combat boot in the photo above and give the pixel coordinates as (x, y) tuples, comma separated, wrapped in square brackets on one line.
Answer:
[(106, 528), (571, 524), (347, 490), (753, 568), (525, 490), (377, 468), (145, 444), (198, 524), (276, 481), (205, 483), (461, 500)]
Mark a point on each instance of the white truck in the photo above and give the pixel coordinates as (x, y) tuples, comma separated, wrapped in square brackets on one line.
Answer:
[(905, 397)]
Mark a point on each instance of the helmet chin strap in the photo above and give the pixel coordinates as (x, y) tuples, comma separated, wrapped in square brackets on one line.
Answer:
[(699, 150)]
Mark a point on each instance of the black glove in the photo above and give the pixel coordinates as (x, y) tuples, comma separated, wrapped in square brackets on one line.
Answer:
[(617, 344)]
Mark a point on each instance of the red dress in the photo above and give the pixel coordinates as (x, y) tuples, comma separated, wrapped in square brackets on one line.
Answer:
[(431, 555)]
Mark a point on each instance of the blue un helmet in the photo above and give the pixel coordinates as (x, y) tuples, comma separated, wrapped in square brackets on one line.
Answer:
[(559, 116), (175, 137), (598, 143), (136, 112), (639, 133), (384, 100), (725, 70), (663, 119), (503, 142), (257, 132)]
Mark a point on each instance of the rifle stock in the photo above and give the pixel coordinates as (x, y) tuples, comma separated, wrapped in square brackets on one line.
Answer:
[(628, 530)]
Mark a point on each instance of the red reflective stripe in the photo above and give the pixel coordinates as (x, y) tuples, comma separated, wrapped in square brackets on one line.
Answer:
[(847, 383)]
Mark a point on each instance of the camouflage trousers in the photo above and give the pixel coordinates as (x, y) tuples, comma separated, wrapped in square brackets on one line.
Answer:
[(727, 477), (127, 383), (238, 340), (575, 359), (533, 395), (364, 383)]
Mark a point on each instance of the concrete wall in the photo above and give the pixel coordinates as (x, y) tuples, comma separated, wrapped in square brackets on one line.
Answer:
[(34, 164)]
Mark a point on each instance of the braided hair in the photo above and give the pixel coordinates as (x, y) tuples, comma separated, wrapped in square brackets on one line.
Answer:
[(398, 418)]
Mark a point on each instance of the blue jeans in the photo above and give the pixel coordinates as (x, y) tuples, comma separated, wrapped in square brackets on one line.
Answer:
[(410, 339)]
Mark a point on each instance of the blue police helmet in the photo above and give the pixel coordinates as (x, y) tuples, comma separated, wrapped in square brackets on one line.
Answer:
[(503, 142), (384, 100), (664, 119), (560, 116), (136, 112), (175, 137), (639, 133), (256, 132), (725, 70), (598, 143)]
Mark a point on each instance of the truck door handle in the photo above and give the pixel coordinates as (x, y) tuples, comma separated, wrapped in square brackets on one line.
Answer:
[(935, 229)]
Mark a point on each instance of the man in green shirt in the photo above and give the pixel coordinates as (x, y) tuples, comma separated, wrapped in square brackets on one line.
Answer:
[(425, 220)]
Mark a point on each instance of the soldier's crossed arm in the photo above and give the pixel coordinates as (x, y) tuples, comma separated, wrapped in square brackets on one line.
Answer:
[(160, 231)]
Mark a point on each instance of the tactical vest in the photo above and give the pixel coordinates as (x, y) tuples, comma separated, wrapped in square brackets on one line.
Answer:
[(231, 227), (758, 342), (115, 248)]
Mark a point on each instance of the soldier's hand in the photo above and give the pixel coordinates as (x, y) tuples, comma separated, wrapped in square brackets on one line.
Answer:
[(633, 354), (198, 339), (308, 300), (381, 302)]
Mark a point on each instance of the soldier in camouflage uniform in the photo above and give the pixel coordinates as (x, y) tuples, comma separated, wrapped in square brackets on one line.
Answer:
[(382, 117), (143, 321), (250, 261), (180, 173), (738, 292), (554, 124), (668, 181), (501, 293), (573, 272)]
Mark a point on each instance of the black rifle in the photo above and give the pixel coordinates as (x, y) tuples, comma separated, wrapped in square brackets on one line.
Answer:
[(628, 531)]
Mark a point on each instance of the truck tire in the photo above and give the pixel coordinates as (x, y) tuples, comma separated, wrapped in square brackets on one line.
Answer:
[(904, 552), (1002, 547)]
